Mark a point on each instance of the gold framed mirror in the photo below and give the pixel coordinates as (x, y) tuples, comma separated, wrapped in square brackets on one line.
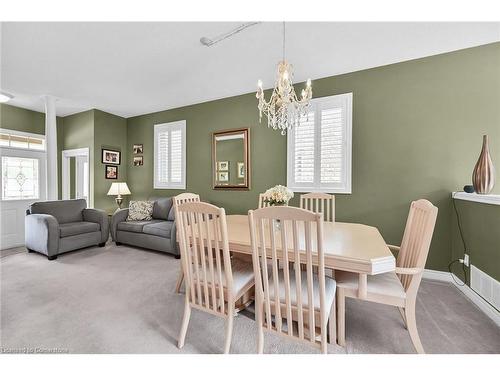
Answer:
[(231, 159)]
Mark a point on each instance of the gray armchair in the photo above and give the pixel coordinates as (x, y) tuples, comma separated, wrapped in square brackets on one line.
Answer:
[(56, 227)]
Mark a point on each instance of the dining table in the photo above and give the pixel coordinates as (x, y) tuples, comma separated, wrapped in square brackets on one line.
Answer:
[(351, 247)]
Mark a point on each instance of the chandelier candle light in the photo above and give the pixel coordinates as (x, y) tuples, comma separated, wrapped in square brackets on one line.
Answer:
[(284, 110)]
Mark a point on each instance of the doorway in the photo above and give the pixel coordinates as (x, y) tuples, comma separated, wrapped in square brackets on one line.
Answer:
[(23, 182), (75, 174)]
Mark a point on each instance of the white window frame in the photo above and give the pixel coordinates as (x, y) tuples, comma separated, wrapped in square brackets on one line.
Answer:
[(345, 101), (170, 126), (30, 154), (24, 134)]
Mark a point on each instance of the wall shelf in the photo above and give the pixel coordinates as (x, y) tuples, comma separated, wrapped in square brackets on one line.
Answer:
[(473, 197)]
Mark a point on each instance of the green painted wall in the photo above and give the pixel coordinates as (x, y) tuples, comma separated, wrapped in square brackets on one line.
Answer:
[(20, 119), (110, 131), (417, 131), (78, 132), (480, 223)]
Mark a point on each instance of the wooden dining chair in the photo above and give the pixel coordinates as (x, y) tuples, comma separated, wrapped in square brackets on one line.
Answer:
[(262, 201), (290, 301), (397, 288), (177, 200), (214, 281), (319, 202)]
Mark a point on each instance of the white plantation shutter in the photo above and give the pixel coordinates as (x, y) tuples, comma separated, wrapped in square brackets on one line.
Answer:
[(319, 148), (304, 150), (170, 155)]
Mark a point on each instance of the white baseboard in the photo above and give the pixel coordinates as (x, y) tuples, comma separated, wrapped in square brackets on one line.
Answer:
[(484, 306)]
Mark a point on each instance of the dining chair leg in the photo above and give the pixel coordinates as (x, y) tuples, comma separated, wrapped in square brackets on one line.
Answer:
[(340, 317), (229, 330), (332, 324), (260, 328), (411, 323), (402, 312), (185, 323), (180, 279)]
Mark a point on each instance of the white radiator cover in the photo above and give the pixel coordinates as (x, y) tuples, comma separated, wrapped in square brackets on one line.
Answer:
[(486, 286)]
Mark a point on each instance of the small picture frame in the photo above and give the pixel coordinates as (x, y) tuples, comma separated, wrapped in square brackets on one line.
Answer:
[(241, 170), (111, 172), (111, 157), (223, 166), (223, 176), (138, 161), (138, 148)]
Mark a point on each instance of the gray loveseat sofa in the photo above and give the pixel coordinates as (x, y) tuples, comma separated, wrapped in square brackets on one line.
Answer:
[(157, 234), (56, 227)]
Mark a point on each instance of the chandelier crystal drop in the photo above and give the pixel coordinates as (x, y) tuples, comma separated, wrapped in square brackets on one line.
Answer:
[(284, 109)]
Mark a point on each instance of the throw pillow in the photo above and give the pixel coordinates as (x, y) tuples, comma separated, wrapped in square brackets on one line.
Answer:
[(140, 211)]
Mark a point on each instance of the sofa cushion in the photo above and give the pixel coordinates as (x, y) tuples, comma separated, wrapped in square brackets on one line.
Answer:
[(72, 229), (134, 226), (140, 210), (67, 211), (162, 229), (161, 208)]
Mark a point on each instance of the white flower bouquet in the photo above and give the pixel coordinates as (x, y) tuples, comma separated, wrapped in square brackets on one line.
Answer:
[(278, 196)]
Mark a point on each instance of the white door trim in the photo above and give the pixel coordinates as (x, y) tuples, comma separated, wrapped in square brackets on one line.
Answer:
[(66, 154)]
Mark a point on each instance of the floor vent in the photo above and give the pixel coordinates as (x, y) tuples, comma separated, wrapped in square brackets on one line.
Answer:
[(486, 286)]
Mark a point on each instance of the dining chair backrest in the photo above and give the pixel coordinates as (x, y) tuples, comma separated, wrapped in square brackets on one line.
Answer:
[(319, 202), (296, 238), (185, 197), (205, 256), (416, 240), (262, 201)]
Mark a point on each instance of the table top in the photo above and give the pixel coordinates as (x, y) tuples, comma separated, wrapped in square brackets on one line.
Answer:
[(347, 246)]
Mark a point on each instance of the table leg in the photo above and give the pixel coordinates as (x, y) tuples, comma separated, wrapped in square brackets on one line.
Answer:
[(362, 285)]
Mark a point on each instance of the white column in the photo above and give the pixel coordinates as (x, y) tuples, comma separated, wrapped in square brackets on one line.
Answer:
[(51, 145)]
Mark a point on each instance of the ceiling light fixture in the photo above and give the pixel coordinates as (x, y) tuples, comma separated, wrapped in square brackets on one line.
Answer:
[(211, 41), (4, 97), (283, 110)]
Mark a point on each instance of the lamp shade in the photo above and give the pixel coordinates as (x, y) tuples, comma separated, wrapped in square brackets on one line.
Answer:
[(119, 188)]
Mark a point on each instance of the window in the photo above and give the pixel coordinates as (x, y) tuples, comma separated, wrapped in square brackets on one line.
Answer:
[(15, 139), (170, 155), (319, 148), (20, 178)]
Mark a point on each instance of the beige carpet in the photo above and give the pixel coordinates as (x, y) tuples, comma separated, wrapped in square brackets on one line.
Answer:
[(122, 300)]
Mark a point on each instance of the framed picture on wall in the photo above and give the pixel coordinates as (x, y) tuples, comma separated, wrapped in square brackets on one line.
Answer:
[(111, 172), (138, 148), (138, 161), (111, 156), (241, 170), (223, 166), (223, 176)]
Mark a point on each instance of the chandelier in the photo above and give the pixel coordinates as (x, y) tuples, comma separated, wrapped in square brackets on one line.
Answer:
[(283, 110)]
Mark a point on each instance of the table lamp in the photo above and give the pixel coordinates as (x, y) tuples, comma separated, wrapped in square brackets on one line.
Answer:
[(119, 188)]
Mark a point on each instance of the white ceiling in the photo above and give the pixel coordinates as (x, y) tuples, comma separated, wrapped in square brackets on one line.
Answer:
[(135, 68)]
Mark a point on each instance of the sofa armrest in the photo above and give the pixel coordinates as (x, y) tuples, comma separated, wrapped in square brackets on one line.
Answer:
[(119, 216), (42, 234), (100, 217)]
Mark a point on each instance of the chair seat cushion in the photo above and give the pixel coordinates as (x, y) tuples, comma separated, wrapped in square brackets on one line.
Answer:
[(383, 284), (330, 287), (162, 229), (242, 275), (134, 226), (72, 229)]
